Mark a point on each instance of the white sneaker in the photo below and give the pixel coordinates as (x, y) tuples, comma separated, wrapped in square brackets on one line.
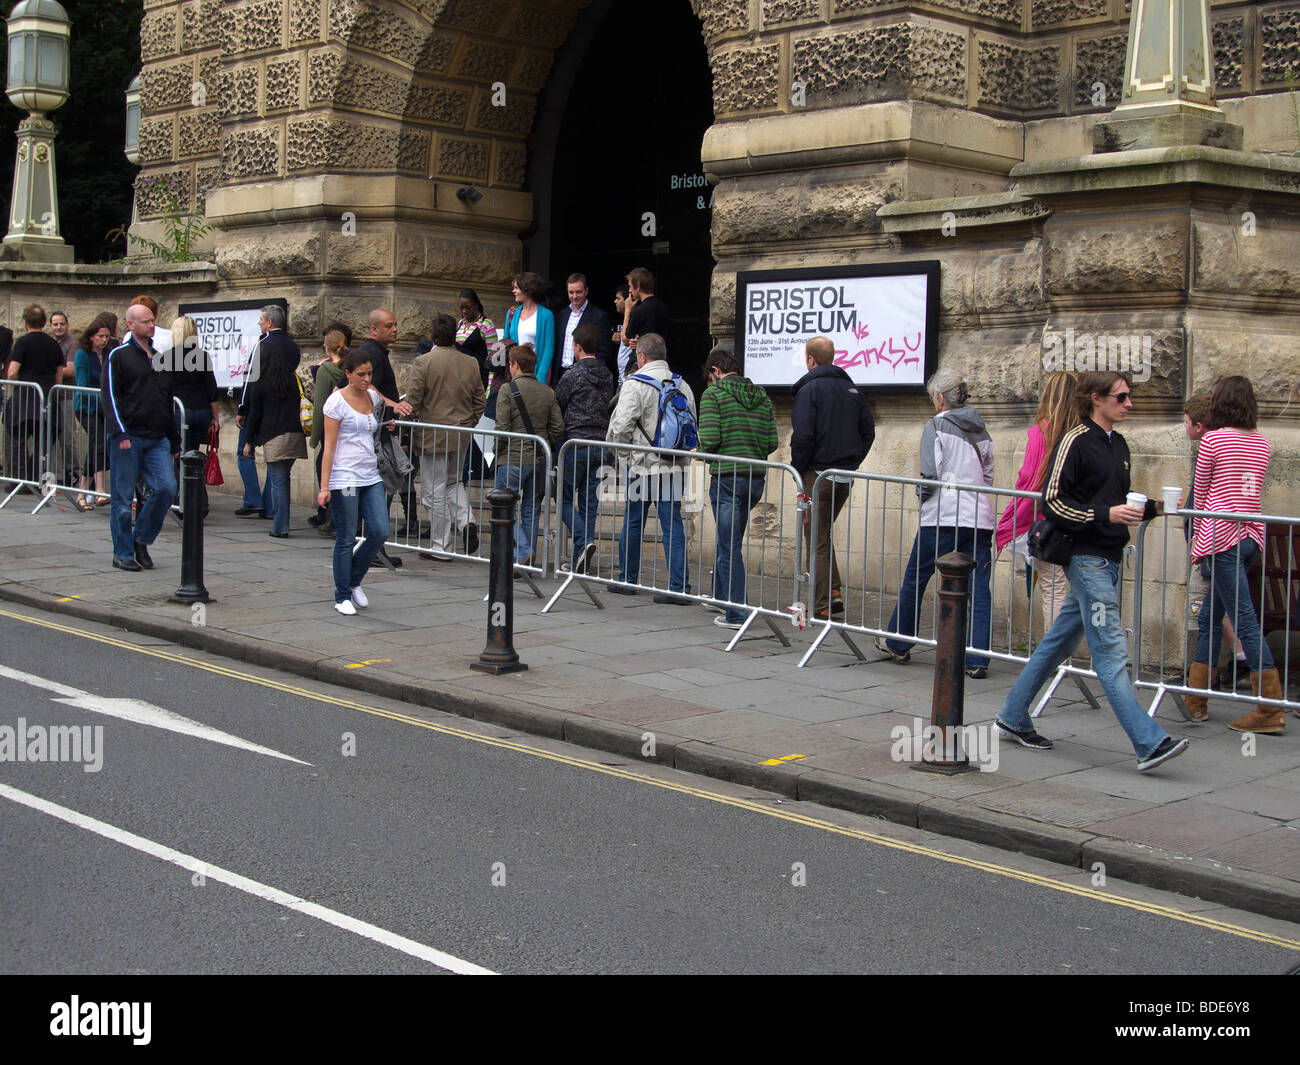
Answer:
[(345, 607), (359, 597)]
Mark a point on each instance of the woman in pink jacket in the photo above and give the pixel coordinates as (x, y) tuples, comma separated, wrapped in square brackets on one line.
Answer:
[(1057, 412)]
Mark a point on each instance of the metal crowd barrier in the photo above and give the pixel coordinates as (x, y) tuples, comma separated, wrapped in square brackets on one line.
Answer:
[(74, 442), (631, 476), (1273, 586), (877, 541), (22, 459), (452, 481)]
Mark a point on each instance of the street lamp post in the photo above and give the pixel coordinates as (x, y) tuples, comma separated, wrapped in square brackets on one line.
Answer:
[(38, 84)]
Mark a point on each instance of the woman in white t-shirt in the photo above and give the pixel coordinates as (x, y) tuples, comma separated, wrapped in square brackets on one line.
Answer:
[(349, 474)]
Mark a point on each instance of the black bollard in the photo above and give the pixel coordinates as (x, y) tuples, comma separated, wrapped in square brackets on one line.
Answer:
[(499, 654), (192, 589), (948, 706)]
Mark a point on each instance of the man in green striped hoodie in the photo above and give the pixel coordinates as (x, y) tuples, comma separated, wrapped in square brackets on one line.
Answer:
[(736, 418)]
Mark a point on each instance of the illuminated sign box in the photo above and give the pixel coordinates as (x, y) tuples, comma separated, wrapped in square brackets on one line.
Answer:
[(883, 320)]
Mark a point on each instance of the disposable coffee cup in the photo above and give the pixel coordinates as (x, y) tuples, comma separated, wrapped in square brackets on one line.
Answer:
[(1136, 499), (1171, 494)]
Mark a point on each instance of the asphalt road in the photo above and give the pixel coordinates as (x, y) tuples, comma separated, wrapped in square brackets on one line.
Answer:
[(422, 848)]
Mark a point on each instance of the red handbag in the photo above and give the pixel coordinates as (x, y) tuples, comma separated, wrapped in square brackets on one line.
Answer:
[(212, 471)]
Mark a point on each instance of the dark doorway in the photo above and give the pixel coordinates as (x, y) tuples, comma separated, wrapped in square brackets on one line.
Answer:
[(618, 138)]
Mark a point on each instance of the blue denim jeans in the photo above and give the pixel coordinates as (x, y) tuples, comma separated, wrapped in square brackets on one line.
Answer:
[(346, 505), (669, 508), (1091, 609), (932, 543), (248, 472), (527, 483), (1229, 592), (277, 492), (581, 484), (733, 496), (152, 460)]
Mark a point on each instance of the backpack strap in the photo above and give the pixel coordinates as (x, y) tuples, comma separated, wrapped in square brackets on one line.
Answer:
[(658, 387), (523, 408)]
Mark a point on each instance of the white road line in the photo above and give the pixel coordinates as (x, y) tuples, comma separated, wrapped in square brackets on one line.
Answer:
[(252, 887), (141, 713)]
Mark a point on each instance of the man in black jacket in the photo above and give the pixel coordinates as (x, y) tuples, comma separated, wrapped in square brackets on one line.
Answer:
[(1085, 495), (274, 341), (144, 436), (584, 395), (382, 324), (832, 430), (581, 311)]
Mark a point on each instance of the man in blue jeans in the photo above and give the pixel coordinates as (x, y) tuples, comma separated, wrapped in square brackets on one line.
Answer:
[(1084, 494), (144, 438)]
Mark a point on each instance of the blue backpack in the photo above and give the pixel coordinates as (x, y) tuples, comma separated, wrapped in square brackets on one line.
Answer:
[(676, 428)]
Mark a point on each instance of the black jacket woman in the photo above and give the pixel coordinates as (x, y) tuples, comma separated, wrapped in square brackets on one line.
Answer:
[(195, 385)]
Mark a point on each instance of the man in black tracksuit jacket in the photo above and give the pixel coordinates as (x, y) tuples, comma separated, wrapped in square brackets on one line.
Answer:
[(832, 430), (144, 436)]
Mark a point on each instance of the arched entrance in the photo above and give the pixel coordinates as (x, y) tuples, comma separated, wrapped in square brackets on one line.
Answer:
[(614, 164)]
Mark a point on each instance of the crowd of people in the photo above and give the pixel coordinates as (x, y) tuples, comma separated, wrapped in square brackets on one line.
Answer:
[(579, 374)]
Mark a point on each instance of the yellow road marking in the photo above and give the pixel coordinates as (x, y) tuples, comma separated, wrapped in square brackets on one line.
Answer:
[(783, 758), (367, 662), (1035, 879), (67, 599)]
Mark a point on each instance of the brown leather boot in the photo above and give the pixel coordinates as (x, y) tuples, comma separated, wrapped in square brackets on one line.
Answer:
[(1265, 719), (1198, 706)]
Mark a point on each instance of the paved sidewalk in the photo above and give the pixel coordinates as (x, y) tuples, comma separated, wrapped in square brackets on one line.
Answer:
[(1216, 823)]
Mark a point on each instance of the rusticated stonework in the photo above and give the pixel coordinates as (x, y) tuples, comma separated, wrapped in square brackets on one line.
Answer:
[(238, 91), (544, 28), (778, 12), (249, 153), (746, 80), (1006, 11), (162, 191), (1019, 79), (1044, 13), (512, 164), (199, 26), (437, 103), (283, 84), (155, 140), (200, 134), (516, 117), (719, 17), (479, 16), (490, 62), (158, 34), (379, 29), (304, 21), (1228, 34), (165, 87), (319, 143), (880, 63), (206, 179), (456, 260), (435, 57), (323, 69), (1099, 59), (252, 28), (463, 158), (1279, 45), (533, 70)]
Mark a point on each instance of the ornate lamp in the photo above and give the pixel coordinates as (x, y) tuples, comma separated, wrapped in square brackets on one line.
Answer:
[(133, 121), (37, 83)]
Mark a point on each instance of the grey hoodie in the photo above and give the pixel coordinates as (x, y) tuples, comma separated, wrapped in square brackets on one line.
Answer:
[(955, 447)]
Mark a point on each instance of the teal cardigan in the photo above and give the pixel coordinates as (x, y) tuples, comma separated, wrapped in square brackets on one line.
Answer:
[(545, 345)]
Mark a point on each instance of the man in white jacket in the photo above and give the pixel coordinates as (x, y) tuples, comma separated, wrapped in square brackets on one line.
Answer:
[(955, 449), (635, 421)]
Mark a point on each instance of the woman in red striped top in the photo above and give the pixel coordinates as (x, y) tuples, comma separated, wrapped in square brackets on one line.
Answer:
[(1230, 469)]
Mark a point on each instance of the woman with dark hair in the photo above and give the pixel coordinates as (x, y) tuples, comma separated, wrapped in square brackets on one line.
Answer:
[(88, 363), (350, 483), (1230, 468), (275, 426), (531, 323), (475, 333)]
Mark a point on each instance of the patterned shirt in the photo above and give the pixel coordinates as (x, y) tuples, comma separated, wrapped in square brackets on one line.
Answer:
[(1230, 468), (483, 325)]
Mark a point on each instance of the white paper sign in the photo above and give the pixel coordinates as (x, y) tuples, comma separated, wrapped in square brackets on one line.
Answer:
[(228, 335)]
